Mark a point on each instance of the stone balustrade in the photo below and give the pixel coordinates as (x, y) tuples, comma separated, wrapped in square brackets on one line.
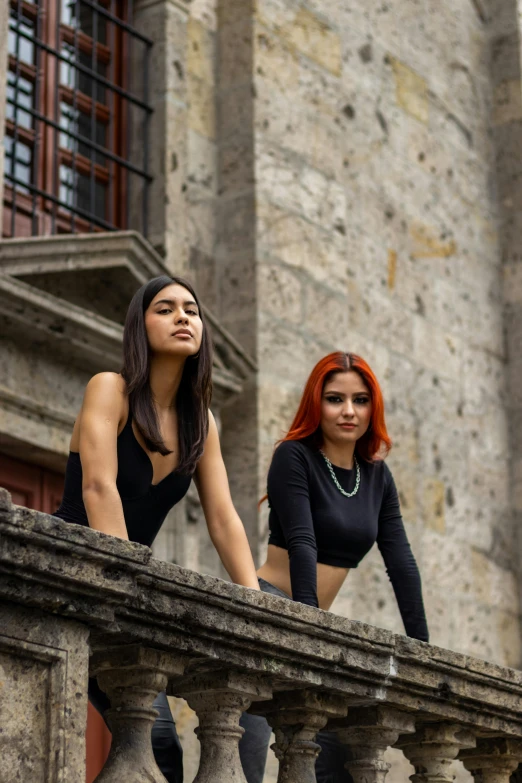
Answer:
[(73, 600)]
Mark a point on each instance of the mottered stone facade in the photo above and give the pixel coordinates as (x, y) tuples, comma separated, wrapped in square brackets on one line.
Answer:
[(347, 175), (362, 185), (345, 194)]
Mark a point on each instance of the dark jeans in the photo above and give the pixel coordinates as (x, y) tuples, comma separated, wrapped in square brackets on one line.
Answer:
[(253, 746)]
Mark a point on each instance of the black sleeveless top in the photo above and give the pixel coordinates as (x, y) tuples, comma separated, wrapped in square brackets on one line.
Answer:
[(145, 505)]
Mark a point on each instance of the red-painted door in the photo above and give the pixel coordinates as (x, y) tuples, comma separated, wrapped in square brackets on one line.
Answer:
[(98, 743), (23, 481), (42, 489)]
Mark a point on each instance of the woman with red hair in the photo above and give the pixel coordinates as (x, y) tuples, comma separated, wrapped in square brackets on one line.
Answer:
[(331, 498)]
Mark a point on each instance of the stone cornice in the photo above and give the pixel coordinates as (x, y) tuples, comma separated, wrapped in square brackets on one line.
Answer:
[(11, 400), (79, 334), (125, 595), (124, 249), (90, 341), (68, 252), (74, 333)]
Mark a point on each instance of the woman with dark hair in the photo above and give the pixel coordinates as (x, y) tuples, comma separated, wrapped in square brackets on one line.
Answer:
[(331, 497), (141, 436)]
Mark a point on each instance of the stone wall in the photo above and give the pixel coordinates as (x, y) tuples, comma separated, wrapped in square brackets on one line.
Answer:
[(346, 175), (358, 191), (375, 218), (53, 393)]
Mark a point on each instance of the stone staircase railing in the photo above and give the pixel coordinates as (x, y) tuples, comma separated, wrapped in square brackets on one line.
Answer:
[(73, 600)]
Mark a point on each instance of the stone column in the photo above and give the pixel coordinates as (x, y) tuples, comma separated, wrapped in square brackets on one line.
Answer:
[(132, 677), (296, 717), (369, 732), (165, 22), (236, 248), (219, 700), (432, 749), (506, 129), (493, 760)]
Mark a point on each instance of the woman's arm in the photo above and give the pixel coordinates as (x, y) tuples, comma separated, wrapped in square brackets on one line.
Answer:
[(224, 525), (400, 563), (100, 417), (289, 496)]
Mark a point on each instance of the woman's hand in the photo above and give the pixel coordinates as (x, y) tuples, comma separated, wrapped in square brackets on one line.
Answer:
[(224, 525), (102, 411)]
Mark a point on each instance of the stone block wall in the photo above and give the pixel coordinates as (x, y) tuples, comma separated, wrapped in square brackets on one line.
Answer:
[(39, 400), (364, 181), (344, 195), (377, 234), (346, 175), (44, 663)]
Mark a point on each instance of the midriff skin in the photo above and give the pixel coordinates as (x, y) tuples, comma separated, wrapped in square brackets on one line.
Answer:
[(276, 570)]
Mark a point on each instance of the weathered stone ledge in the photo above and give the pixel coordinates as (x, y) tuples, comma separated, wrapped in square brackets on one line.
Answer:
[(215, 635)]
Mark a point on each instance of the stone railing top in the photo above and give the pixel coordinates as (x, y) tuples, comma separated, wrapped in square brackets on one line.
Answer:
[(126, 596)]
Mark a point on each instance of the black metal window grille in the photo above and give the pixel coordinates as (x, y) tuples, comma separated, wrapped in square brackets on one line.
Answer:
[(77, 118)]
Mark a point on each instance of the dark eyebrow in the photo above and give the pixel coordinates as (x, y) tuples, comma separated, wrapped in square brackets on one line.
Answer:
[(342, 394), (172, 302)]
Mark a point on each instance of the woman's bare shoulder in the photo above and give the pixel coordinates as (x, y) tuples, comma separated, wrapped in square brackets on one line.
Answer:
[(105, 396), (107, 382), (106, 391)]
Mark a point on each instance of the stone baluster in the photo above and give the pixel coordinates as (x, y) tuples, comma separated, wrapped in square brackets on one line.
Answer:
[(296, 717), (219, 699), (432, 749), (493, 760), (132, 676), (369, 732)]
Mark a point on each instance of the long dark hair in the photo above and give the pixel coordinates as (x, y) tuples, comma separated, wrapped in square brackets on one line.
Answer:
[(195, 389)]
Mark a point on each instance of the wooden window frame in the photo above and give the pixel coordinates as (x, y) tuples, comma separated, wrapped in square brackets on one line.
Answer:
[(44, 140)]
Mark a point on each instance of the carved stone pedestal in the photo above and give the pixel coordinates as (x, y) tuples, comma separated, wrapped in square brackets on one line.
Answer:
[(493, 760), (219, 700), (296, 717), (433, 748), (369, 732), (132, 677)]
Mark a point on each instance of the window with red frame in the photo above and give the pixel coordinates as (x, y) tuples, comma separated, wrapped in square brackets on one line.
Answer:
[(77, 118)]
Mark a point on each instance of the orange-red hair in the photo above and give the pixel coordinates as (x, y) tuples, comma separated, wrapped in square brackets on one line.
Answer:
[(375, 443)]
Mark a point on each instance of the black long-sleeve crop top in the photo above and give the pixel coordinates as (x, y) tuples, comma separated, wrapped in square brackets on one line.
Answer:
[(317, 524)]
